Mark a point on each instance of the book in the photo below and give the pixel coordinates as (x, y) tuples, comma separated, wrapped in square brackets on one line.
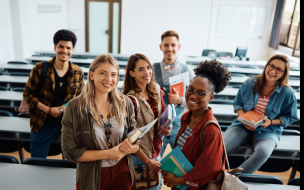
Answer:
[(137, 134), (178, 86), (178, 164), (252, 118), (167, 117), (183, 77)]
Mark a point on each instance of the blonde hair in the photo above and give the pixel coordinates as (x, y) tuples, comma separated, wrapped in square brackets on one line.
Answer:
[(261, 79), (117, 102)]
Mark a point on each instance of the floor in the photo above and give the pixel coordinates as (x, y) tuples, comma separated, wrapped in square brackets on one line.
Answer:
[(283, 175)]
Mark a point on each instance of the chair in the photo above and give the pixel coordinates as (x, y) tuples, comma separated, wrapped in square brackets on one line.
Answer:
[(238, 75), (18, 89), (23, 73), (295, 182), (206, 52), (261, 179), (24, 115), (6, 113), (271, 165), (8, 159), (295, 68), (294, 78), (3, 88), (49, 162), (224, 54), (17, 62), (219, 101), (8, 146), (54, 150), (248, 66)]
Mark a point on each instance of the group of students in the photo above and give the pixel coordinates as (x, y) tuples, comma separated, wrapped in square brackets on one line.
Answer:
[(97, 118)]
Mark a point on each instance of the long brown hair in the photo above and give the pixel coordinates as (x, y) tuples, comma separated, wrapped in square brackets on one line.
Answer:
[(261, 79), (130, 83), (86, 98)]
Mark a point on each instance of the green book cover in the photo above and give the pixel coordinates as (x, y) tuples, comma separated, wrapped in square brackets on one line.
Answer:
[(171, 165)]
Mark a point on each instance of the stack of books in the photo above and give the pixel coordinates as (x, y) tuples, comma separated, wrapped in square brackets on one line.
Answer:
[(178, 86), (252, 118), (178, 164)]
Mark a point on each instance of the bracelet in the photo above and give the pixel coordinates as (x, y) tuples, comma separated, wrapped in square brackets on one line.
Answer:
[(271, 122), (138, 150), (180, 101), (50, 110)]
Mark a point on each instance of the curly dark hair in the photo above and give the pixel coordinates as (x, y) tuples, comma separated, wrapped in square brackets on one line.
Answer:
[(64, 35), (215, 72)]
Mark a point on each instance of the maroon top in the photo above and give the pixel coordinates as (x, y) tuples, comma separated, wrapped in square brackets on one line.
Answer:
[(156, 140), (206, 164)]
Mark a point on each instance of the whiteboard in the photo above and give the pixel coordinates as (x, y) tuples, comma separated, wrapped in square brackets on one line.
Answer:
[(241, 22)]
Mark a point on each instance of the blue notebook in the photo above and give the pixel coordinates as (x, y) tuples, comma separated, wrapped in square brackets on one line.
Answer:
[(182, 161)]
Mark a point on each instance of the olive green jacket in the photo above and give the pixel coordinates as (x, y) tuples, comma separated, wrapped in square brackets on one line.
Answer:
[(78, 135)]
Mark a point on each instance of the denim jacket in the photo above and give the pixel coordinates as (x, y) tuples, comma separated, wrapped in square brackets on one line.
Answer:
[(282, 105)]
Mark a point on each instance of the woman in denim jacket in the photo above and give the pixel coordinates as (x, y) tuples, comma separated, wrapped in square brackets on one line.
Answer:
[(269, 94)]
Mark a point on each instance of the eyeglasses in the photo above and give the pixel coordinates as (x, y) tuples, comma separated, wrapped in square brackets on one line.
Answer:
[(199, 94), (277, 70)]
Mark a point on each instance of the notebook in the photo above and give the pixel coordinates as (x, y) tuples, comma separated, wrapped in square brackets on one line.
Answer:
[(252, 118), (179, 165), (167, 117), (179, 87)]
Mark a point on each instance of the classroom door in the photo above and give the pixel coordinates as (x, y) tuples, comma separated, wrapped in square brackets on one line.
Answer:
[(103, 18)]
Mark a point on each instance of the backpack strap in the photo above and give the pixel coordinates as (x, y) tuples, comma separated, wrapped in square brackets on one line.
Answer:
[(158, 74), (202, 136)]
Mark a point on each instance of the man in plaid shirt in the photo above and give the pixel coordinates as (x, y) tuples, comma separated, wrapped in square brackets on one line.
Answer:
[(63, 81)]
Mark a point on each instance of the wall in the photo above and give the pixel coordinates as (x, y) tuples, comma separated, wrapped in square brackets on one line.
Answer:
[(143, 23), (38, 29), (257, 49), (6, 37)]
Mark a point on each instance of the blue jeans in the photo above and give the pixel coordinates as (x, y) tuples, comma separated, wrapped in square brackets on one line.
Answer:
[(239, 135), (41, 141), (137, 162), (169, 139)]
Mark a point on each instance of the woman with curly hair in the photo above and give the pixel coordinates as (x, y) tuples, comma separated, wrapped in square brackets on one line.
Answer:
[(268, 94), (211, 77)]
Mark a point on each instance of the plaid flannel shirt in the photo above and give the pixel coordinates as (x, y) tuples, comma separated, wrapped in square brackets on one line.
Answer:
[(74, 87)]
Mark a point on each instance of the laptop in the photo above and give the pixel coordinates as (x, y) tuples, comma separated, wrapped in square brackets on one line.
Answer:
[(212, 54)]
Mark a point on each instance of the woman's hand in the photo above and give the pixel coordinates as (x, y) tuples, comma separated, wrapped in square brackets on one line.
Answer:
[(266, 123), (169, 179), (128, 148), (115, 154), (249, 127), (154, 165), (164, 131)]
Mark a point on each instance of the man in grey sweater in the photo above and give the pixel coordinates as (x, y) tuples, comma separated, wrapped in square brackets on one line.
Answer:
[(168, 67)]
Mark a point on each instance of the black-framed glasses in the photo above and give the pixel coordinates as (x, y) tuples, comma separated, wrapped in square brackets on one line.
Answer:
[(277, 70), (199, 94)]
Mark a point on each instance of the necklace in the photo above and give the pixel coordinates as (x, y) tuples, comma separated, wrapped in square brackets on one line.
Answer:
[(107, 130), (268, 93)]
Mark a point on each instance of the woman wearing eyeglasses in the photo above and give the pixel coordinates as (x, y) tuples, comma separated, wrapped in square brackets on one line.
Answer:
[(268, 94), (211, 77)]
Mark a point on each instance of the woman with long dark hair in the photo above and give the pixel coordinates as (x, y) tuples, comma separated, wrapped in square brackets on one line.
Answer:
[(139, 85)]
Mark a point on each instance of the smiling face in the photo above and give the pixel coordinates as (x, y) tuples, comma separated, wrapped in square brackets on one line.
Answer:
[(104, 77), (272, 75), (142, 72), (199, 84), (170, 46), (64, 50)]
